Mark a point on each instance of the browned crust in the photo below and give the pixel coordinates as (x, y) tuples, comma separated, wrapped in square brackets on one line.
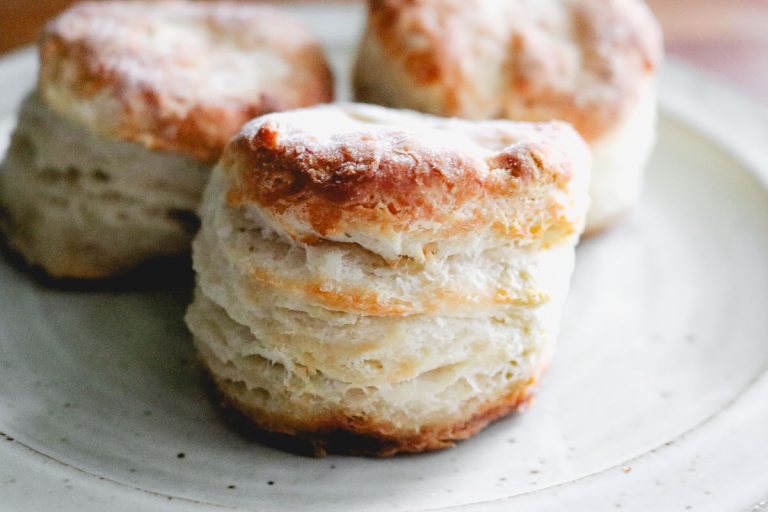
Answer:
[(376, 438), (158, 105), (616, 45), (392, 181)]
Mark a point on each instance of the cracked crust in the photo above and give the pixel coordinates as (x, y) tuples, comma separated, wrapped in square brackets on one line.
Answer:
[(381, 175), (588, 62), (178, 76)]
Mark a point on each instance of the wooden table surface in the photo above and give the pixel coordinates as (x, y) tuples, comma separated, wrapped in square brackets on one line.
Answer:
[(727, 37)]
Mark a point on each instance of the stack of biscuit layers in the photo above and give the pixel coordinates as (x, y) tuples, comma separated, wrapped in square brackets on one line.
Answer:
[(385, 274)]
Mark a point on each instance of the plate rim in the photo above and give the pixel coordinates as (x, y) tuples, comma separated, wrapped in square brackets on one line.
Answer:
[(734, 122)]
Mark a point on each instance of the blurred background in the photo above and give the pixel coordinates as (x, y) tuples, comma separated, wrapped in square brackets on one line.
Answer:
[(726, 37)]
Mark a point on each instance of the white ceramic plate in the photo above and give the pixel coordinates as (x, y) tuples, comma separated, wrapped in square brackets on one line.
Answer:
[(658, 399)]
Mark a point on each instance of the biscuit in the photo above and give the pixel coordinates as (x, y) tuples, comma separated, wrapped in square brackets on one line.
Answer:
[(591, 63), (389, 275), (134, 103), (82, 206)]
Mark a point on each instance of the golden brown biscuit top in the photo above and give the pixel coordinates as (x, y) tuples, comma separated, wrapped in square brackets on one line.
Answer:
[(178, 76), (405, 184), (583, 61)]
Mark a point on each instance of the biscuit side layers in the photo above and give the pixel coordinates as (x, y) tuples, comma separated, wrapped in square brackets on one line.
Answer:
[(82, 206)]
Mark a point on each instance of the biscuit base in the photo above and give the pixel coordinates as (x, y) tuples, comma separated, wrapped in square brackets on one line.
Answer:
[(77, 257), (368, 437)]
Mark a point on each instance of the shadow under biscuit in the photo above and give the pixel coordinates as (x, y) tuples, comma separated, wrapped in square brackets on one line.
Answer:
[(336, 442), (165, 273), (330, 442)]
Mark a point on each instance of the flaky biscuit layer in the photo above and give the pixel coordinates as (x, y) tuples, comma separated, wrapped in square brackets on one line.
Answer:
[(82, 206), (401, 184)]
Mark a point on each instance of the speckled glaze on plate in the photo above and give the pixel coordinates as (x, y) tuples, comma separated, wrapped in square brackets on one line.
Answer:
[(657, 400)]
